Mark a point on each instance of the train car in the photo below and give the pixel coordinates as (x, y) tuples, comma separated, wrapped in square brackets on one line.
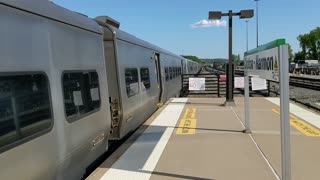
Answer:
[(190, 67), (54, 118), (69, 84), (140, 75)]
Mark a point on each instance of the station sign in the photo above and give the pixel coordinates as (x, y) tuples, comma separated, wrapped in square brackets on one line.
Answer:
[(264, 61), (271, 62)]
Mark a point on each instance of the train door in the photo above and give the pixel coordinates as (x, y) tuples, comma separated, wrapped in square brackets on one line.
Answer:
[(158, 74), (113, 88)]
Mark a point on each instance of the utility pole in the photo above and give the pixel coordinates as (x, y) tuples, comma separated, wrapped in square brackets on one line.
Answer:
[(257, 8)]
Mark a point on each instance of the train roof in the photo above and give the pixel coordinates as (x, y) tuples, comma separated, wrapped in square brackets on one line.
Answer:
[(52, 11), (122, 35)]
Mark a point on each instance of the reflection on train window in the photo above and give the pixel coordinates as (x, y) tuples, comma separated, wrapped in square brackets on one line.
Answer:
[(173, 73), (176, 71), (167, 73), (145, 78), (81, 94), (25, 107), (132, 81)]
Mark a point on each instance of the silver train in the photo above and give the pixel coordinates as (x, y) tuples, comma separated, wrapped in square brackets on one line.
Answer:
[(69, 84)]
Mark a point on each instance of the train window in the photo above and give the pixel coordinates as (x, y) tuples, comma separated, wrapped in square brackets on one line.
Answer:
[(81, 94), (145, 78), (132, 81), (170, 73), (25, 107), (167, 73)]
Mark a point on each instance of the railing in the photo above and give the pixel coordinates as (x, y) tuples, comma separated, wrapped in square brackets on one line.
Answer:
[(215, 86)]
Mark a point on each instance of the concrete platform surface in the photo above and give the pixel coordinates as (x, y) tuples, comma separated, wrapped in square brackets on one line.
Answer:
[(198, 138)]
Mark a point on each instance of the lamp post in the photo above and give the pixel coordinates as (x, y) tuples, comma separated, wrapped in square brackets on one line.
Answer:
[(247, 35), (217, 15), (257, 21)]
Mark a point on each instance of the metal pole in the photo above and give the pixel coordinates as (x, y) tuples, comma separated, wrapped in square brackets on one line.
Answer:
[(246, 101), (230, 72), (247, 35), (284, 106), (257, 23), (247, 93)]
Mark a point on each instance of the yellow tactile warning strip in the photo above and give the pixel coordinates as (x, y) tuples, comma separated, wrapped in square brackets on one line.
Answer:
[(302, 126), (188, 123)]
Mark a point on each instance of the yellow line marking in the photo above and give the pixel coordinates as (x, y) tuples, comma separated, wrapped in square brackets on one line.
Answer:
[(190, 113), (188, 123), (302, 126), (187, 126)]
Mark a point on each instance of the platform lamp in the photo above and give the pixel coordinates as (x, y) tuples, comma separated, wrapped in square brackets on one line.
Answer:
[(216, 15)]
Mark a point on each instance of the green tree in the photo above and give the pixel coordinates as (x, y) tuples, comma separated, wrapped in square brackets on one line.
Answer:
[(303, 39), (299, 56), (193, 58), (291, 56), (236, 59), (310, 45)]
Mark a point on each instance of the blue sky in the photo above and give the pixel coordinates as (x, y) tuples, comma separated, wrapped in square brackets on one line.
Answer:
[(168, 23)]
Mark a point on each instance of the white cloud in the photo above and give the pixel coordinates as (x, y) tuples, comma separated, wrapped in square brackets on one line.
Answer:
[(209, 23)]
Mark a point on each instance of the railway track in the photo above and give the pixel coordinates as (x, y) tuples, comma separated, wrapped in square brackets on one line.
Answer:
[(299, 101), (303, 82)]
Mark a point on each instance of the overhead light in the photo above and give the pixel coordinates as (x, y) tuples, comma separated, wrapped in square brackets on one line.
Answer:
[(246, 14), (215, 15)]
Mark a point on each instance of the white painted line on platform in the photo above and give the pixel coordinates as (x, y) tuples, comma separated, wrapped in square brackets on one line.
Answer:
[(306, 115), (258, 147), (138, 162)]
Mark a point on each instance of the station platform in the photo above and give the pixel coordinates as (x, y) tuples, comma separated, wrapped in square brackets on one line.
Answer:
[(199, 138)]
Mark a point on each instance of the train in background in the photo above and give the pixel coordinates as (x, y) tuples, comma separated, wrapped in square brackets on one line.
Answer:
[(69, 84), (311, 67)]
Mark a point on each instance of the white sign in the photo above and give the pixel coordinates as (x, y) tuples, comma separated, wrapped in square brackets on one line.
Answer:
[(258, 84), (77, 98), (264, 61), (197, 84), (239, 82), (94, 92), (134, 88)]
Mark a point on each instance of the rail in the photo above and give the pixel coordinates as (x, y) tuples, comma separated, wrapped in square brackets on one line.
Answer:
[(303, 82)]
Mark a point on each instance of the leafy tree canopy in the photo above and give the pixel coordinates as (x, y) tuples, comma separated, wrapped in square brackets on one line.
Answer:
[(236, 59), (193, 58), (310, 45)]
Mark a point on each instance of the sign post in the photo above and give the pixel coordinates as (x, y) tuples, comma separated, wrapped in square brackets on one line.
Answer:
[(246, 101), (284, 107), (264, 62)]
